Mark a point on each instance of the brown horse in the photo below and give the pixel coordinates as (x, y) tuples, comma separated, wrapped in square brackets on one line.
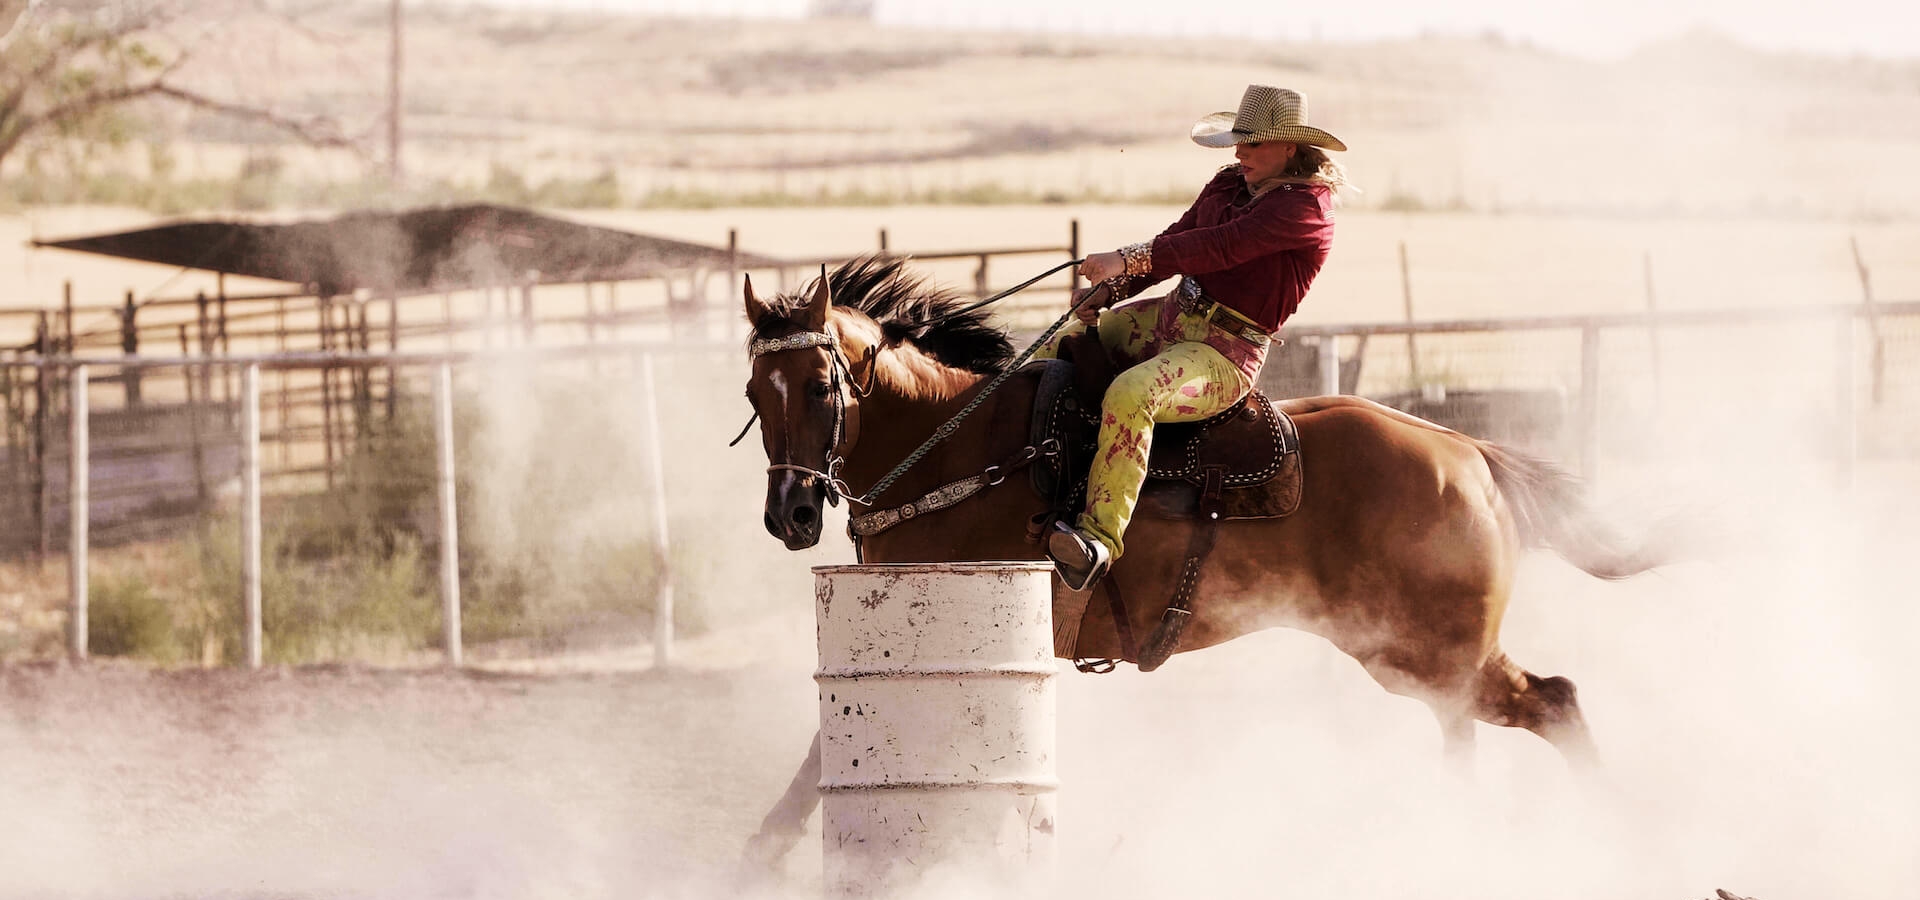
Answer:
[(1402, 552)]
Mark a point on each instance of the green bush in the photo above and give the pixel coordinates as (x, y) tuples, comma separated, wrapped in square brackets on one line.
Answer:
[(365, 601), (127, 617), (349, 574), (602, 191)]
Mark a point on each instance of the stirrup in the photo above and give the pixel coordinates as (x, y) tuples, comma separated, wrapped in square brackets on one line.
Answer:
[(1081, 561)]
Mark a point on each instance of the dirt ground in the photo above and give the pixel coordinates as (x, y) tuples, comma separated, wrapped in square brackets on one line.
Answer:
[(1752, 708)]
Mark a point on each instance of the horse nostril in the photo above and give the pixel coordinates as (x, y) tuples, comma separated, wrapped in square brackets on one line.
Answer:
[(803, 516)]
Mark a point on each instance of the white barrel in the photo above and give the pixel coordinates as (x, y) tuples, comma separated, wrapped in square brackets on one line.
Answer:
[(936, 727)]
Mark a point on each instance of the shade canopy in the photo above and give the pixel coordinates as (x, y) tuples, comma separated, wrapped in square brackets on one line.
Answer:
[(414, 251)]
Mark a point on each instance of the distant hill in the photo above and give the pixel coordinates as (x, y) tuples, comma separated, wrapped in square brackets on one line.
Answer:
[(705, 110)]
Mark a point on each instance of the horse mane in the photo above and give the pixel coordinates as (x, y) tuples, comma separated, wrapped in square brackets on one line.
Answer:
[(903, 304)]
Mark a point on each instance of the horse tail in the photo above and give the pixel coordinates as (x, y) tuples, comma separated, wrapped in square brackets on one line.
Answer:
[(1551, 511)]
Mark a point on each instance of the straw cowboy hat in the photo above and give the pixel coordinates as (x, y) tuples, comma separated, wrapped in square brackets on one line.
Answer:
[(1266, 114)]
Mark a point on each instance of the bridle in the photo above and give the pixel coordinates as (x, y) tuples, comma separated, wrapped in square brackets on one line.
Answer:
[(839, 378), (840, 371)]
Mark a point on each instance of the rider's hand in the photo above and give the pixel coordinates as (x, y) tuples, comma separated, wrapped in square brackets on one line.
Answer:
[(1087, 311), (1099, 267)]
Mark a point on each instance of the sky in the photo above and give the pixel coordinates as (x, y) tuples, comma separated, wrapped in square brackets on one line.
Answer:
[(1593, 28)]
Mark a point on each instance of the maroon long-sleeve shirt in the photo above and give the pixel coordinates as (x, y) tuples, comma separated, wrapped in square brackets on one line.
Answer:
[(1257, 255)]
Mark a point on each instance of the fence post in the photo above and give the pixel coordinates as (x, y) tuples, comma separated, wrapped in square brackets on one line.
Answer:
[(1073, 252), (662, 547), (250, 510), (449, 513), (42, 437), (527, 319), (324, 305), (362, 375), (1406, 300), (1846, 400), (980, 277), (733, 268), (1653, 331), (490, 324), (393, 346), (1879, 367), (226, 348), (1589, 401), (1329, 365), (66, 319), (592, 320), (130, 346), (77, 508), (613, 309), (201, 492), (204, 324), (283, 403)]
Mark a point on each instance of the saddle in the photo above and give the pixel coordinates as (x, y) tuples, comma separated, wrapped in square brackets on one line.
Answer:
[(1253, 449), (1243, 463)]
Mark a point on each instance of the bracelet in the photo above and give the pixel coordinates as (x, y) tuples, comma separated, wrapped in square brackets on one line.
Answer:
[(1138, 258)]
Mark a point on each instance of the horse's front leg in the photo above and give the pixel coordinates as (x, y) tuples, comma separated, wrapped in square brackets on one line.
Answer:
[(787, 821)]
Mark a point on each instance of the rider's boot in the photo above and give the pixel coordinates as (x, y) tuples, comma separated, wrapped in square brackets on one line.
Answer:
[(1080, 558)]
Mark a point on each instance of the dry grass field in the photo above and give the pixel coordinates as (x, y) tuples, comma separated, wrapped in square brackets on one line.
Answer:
[(1693, 124), (1753, 705)]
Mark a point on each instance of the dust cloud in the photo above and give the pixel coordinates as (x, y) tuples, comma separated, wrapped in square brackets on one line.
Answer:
[(1752, 702), (1751, 707)]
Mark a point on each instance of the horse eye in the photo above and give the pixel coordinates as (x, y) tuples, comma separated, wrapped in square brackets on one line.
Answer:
[(822, 389)]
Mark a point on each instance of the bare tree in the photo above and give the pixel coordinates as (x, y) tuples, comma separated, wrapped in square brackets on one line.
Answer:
[(65, 65), (14, 14)]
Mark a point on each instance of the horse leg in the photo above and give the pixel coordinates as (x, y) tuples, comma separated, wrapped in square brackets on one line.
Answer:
[(1443, 697), (787, 821), (1456, 737), (1548, 707)]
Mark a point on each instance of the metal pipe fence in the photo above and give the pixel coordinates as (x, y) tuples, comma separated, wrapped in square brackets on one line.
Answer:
[(1601, 375), (195, 464)]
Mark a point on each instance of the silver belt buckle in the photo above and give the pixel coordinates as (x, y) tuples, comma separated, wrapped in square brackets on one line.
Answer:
[(1191, 299)]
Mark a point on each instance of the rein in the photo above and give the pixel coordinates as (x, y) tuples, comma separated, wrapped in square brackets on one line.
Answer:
[(948, 427), (837, 488), (996, 298)]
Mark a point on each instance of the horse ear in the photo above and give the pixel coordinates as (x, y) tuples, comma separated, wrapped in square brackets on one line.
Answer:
[(755, 309), (820, 306)]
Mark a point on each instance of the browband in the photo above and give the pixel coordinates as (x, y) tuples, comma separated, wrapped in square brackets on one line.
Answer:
[(799, 341)]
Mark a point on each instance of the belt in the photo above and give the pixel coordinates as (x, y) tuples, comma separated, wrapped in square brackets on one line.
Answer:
[(1219, 315)]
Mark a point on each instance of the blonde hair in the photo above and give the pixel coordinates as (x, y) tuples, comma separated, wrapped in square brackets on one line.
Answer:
[(1312, 164)]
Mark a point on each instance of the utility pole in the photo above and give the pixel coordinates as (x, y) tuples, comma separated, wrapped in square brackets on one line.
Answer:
[(393, 101)]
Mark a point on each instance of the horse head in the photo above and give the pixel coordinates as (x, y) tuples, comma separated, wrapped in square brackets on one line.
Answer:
[(803, 389)]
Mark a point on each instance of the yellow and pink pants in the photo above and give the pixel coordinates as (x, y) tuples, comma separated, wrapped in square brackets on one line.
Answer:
[(1180, 372)]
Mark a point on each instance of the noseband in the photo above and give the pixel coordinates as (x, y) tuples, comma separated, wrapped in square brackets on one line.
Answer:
[(839, 374)]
